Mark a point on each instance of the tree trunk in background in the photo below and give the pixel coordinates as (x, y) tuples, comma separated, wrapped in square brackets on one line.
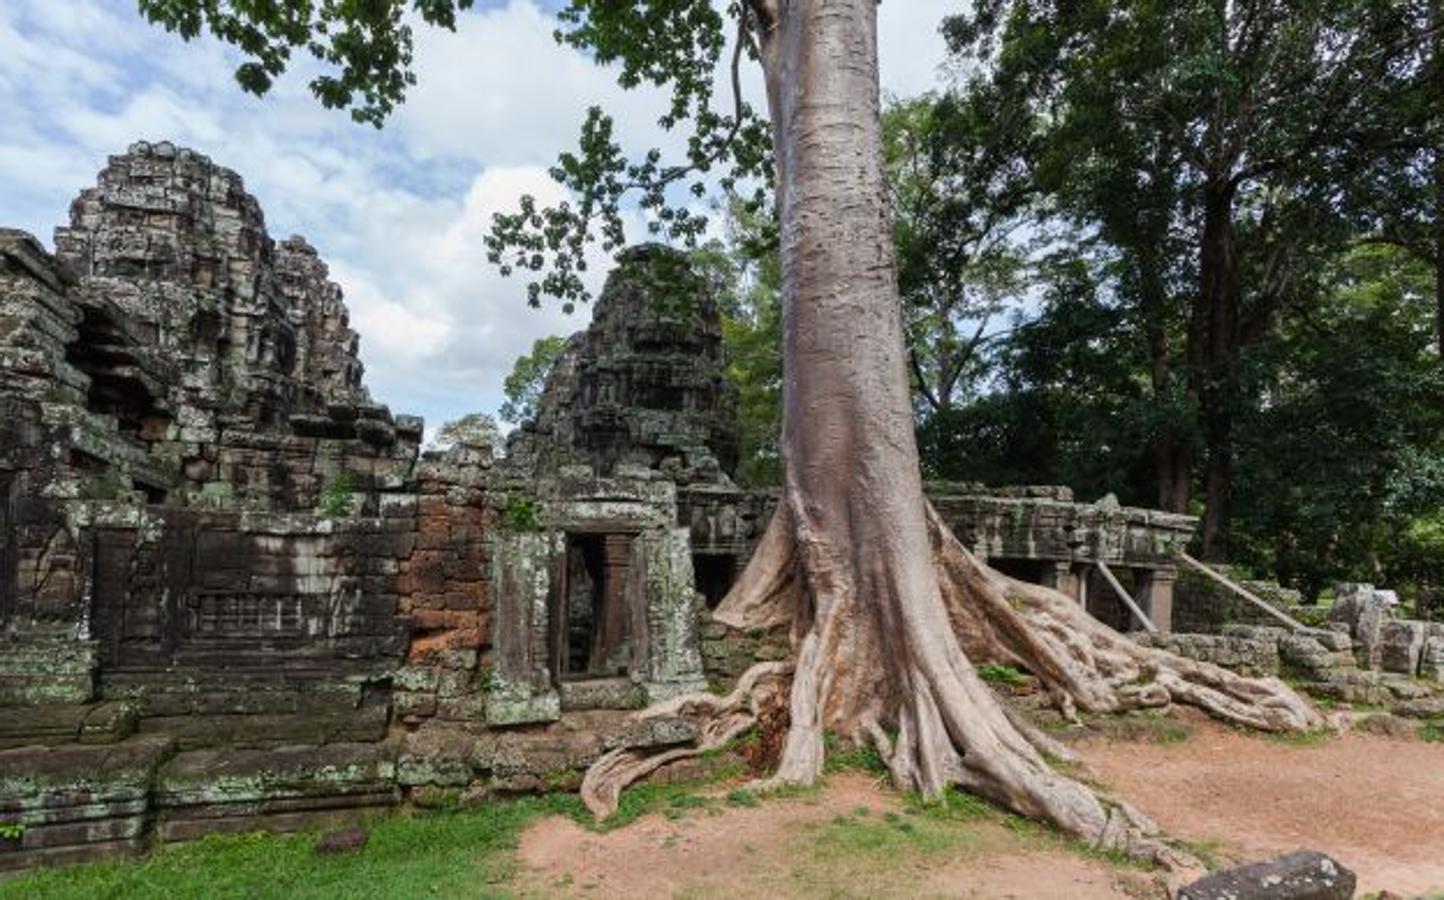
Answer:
[(1214, 330), (1172, 455), (1438, 53)]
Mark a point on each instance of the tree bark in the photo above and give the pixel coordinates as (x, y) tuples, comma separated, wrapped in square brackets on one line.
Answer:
[(885, 608)]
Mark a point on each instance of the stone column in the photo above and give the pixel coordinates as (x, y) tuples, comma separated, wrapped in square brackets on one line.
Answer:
[(1155, 595), (1078, 583), (611, 627), (1055, 575)]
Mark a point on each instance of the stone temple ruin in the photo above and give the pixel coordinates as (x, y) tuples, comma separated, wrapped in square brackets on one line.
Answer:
[(234, 593)]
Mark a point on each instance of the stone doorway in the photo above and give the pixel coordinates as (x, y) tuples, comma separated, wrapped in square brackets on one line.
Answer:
[(713, 574), (591, 622)]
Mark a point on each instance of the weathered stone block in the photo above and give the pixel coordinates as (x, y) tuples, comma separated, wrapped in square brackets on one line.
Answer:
[(1302, 875), (1401, 645)]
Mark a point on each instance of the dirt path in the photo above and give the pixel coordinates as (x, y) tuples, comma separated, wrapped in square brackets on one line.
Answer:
[(847, 840), (1376, 804)]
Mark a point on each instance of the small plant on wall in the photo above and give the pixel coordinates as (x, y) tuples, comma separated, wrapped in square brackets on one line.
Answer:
[(337, 500), (520, 514)]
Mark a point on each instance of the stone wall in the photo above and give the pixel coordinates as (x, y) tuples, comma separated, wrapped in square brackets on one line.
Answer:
[(645, 386)]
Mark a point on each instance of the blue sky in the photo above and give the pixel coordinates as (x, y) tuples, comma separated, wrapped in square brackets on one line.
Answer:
[(399, 213)]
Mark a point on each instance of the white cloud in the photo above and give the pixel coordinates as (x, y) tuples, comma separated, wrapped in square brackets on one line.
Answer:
[(910, 48), (400, 213)]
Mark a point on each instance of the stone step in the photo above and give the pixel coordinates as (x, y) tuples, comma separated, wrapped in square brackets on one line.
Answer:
[(94, 723), (365, 723)]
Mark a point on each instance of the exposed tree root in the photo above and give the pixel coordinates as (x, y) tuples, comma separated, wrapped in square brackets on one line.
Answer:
[(898, 675), (718, 720)]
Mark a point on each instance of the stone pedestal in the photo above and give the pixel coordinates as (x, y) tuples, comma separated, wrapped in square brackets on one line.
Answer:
[(1155, 596), (1056, 575)]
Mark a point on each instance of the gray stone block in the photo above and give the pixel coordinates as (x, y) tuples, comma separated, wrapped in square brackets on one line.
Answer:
[(1301, 875)]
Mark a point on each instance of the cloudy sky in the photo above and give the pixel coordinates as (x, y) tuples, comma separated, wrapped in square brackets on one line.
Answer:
[(399, 214)]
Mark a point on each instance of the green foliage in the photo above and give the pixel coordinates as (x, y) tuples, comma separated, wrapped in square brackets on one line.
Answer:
[(527, 380), (520, 514), (1340, 467), (749, 274), (12, 831), (674, 43), (1209, 163), (362, 49), (1432, 731), (961, 190), (337, 498)]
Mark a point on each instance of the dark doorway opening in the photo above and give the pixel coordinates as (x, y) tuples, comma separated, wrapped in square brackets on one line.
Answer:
[(591, 623), (1027, 570), (712, 576)]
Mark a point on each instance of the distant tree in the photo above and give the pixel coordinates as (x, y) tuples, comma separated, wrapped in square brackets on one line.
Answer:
[(1244, 110), (1341, 457), (523, 386), (475, 429), (960, 180)]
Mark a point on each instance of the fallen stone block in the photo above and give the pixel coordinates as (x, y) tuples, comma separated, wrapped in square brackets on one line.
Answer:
[(1301, 875), (1401, 646)]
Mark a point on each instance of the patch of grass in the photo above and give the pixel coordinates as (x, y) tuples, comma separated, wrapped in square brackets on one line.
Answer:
[(1314, 737), (954, 806), (1432, 731), (993, 673), (1206, 851), (848, 838), (671, 799), (853, 759), (959, 808), (1142, 727), (448, 854), (742, 797)]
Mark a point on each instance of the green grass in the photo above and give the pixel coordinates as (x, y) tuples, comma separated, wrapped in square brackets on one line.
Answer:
[(742, 797), (853, 759), (1432, 731), (1311, 738), (446, 854), (996, 674)]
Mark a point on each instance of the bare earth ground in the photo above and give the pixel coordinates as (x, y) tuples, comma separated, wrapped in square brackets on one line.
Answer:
[(796, 847), (1376, 804)]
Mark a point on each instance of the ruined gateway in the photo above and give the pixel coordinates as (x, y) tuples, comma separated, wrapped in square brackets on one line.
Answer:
[(234, 593)]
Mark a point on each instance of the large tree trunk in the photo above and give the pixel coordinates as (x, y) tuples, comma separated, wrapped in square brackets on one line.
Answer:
[(885, 606), (1172, 453)]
